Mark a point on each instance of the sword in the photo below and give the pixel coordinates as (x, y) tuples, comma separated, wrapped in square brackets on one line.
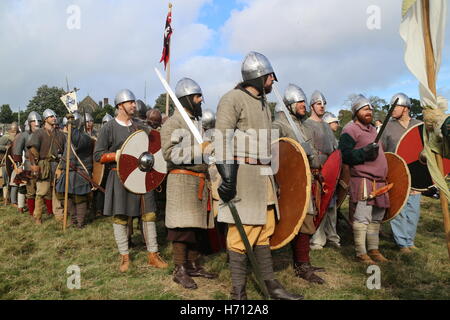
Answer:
[(180, 108), (299, 137), (248, 248), (386, 121)]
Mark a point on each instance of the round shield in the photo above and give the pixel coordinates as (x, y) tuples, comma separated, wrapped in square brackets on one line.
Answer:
[(398, 174), (343, 185), (293, 177), (98, 173), (409, 148), (140, 163), (330, 173), (98, 170)]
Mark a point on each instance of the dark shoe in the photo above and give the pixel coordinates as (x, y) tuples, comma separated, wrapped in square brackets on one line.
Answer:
[(239, 293), (277, 292), (303, 270), (181, 276), (196, 270), (315, 269)]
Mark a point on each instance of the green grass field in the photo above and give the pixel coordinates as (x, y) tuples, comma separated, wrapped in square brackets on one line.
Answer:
[(34, 262)]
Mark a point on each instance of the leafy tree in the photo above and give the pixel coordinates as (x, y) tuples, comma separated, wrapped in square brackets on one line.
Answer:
[(47, 98), (6, 114), (23, 117), (345, 116), (101, 112), (160, 104)]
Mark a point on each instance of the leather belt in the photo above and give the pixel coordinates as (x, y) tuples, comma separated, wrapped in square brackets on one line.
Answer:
[(251, 161), (199, 175)]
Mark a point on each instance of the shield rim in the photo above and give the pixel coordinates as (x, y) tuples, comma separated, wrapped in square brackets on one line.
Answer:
[(102, 175), (119, 154), (321, 216), (409, 189), (9, 166), (396, 152), (308, 194), (341, 201)]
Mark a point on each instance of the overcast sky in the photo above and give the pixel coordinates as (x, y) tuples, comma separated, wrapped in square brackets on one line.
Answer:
[(324, 45)]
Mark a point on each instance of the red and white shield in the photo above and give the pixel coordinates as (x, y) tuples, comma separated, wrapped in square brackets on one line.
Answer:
[(330, 173), (135, 176)]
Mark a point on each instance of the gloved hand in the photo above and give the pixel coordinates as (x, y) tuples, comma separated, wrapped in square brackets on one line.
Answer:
[(227, 189), (371, 151)]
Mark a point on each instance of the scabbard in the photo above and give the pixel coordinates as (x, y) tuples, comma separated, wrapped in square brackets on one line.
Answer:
[(249, 249)]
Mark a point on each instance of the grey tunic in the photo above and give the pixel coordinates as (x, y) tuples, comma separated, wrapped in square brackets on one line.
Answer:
[(184, 209), (244, 115), (282, 124), (82, 144), (323, 139), (119, 201), (19, 147), (393, 132)]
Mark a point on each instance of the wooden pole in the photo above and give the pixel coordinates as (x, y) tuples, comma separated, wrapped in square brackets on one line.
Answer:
[(167, 94), (431, 77), (66, 190), (168, 70)]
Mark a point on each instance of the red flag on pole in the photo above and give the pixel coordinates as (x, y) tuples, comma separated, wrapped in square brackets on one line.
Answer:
[(167, 34)]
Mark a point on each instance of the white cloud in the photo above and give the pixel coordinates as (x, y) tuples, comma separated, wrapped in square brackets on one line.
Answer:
[(117, 46), (323, 45)]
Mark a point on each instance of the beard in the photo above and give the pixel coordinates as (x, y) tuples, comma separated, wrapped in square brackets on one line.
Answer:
[(197, 109), (367, 119), (268, 89)]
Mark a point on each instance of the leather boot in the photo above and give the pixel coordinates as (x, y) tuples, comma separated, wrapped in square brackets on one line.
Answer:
[(315, 269), (377, 256), (277, 292), (304, 271), (73, 213), (81, 209), (181, 276), (124, 262), (194, 269), (238, 268), (155, 260), (364, 258)]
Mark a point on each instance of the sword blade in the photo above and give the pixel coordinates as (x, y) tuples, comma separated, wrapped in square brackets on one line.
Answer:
[(180, 108), (248, 248), (299, 137)]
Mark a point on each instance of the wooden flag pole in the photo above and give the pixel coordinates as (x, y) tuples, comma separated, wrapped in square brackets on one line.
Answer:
[(431, 77), (168, 71), (66, 190)]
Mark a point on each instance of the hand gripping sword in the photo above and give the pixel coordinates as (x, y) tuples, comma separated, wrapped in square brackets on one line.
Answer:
[(180, 108)]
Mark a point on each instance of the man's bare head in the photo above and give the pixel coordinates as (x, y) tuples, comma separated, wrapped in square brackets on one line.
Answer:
[(154, 118)]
